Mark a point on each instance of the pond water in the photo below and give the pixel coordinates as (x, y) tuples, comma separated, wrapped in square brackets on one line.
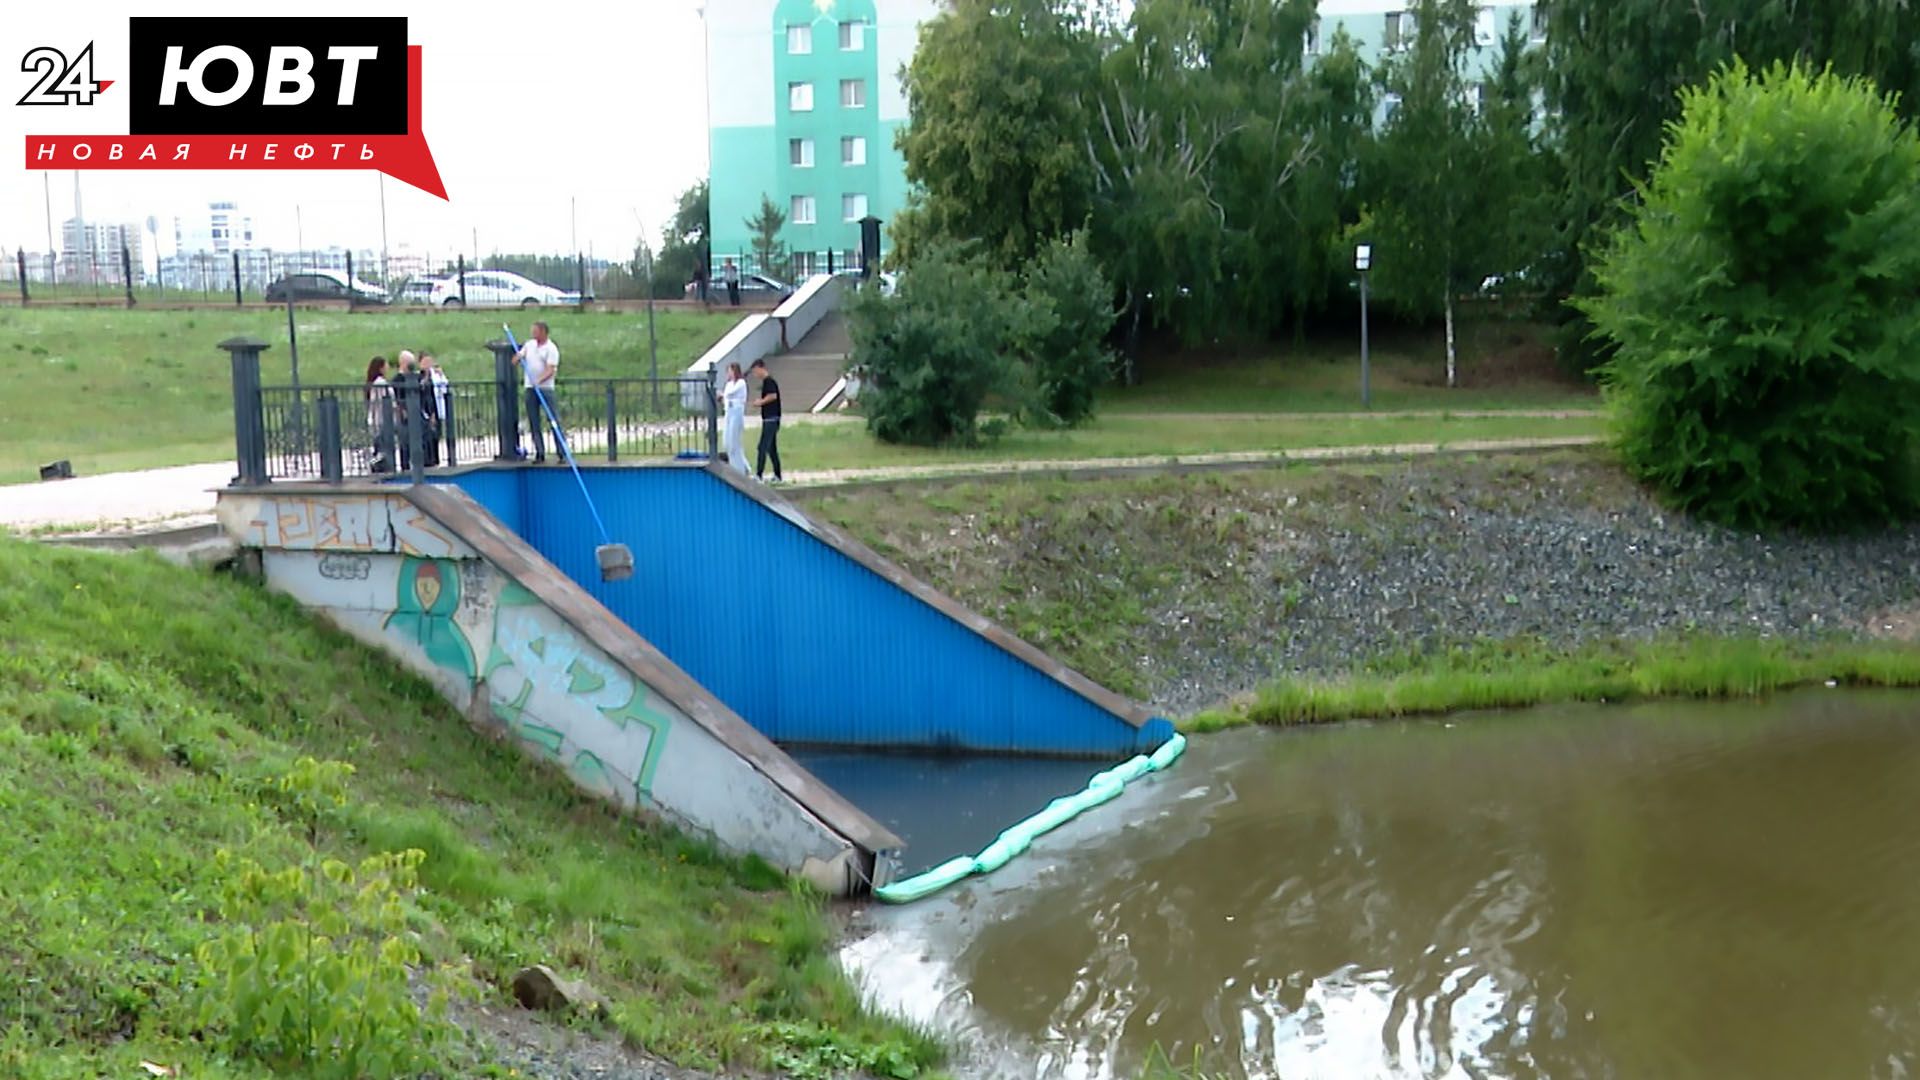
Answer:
[(1670, 890)]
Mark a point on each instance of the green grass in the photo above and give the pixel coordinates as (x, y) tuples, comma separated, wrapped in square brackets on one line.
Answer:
[(118, 389), (1502, 363), (144, 710), (812, 447), (1519, 674)]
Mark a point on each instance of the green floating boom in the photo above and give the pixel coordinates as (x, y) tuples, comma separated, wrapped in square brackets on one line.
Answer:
[(1017, 838)]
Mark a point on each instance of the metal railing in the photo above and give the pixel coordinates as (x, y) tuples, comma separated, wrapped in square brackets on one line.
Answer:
[(333, 432)]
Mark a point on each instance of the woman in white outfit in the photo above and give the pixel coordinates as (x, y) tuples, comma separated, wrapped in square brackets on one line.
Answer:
[(734, 396)]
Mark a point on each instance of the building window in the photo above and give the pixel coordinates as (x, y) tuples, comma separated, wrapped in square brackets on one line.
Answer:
[(802, 210), (799, 39), (1539, 30), (1313, 38), (1399, 30), (800, 153), (853, 150), (800, 96), (853, 93), (853, 207), (853, 36)]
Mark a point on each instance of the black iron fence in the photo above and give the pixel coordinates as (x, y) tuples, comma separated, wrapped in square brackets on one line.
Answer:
[(333, 432)]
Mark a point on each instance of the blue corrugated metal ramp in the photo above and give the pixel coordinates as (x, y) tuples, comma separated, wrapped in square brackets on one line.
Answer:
[(805, 632)]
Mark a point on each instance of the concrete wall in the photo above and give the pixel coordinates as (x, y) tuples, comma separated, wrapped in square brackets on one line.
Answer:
[(750, 339), (428, 577), (810, 303)]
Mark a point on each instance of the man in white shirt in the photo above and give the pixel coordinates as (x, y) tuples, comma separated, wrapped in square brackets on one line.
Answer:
[(539, 358)]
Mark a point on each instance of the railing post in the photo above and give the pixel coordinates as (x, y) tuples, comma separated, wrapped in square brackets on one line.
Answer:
[(249, 425), (713, 416), (351, 294), (449, 432), (416, 438), (388, 446), (126, 271), (20, 256), (328, 408), (460, 273), (613, 427), (236, 279), (506, 401)]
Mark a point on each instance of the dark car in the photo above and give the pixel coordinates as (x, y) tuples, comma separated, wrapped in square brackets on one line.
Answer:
[(324, 285)]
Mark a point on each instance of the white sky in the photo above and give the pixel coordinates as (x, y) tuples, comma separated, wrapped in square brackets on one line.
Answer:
[(525, 106)]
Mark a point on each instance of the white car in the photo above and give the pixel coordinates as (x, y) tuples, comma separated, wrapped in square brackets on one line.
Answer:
[(497, 288)]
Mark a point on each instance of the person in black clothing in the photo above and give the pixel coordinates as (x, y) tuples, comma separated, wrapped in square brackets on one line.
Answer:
[(769, 402), (406, 406)]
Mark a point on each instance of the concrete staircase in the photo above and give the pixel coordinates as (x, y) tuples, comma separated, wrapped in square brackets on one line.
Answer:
[(812, 365)]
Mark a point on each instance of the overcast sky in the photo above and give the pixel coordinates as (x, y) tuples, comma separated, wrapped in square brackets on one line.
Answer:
[(525, 106)]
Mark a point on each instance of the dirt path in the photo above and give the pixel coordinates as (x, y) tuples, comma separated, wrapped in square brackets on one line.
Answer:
[(831, 477), (132, 501)]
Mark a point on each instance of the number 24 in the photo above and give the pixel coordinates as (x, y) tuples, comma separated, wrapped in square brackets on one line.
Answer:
[(60, 83)]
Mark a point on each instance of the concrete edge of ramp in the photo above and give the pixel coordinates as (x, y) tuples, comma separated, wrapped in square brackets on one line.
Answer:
[(458, 511), (1131, 712), (433, 580)]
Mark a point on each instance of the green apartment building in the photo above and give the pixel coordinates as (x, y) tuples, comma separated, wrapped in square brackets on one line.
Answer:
[(803, 99)]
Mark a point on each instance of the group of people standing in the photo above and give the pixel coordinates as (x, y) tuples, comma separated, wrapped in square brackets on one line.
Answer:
[(734, 399), (418, 393)]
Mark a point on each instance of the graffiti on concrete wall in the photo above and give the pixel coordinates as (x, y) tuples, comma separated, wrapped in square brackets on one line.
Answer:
[(538, 673), (337, 523)]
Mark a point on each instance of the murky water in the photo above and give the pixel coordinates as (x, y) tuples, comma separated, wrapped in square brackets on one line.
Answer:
[(1660, 891), (944, 805)]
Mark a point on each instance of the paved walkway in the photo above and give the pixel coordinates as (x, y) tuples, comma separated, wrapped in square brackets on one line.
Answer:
[(165, 498)]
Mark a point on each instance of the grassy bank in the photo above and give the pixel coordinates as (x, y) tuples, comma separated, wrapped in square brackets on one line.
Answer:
[(813, 447), (1190, 590), (1502, 364), (146, 713), (1519, 674), (122, 389)]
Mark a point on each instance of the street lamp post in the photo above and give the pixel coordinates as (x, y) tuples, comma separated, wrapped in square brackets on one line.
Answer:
[(1363, 262)]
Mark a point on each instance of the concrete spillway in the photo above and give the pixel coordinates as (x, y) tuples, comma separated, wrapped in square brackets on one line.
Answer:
[(746, 625)]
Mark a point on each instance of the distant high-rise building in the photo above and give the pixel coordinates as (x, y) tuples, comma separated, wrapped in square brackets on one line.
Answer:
[(92, 252), (224, 229)]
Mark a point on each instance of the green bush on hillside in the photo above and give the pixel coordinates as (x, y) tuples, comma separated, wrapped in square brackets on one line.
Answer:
[(960, 334), (937, 349), (1761, 300), (1066, 353)]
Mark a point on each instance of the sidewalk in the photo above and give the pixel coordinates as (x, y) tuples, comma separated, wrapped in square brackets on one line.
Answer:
[(181, 496), (115, 501)]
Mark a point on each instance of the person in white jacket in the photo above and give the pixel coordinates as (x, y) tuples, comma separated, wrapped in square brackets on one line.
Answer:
[(734, 397)]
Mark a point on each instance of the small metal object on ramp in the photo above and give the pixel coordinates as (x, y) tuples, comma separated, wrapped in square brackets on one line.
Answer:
[(616, 562)]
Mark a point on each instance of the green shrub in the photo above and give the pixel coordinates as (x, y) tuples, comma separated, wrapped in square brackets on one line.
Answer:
[(311, 969), (1761, 300), (937, 349), (1065, 348)]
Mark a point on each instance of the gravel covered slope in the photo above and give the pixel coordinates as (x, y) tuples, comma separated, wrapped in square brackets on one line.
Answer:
[(1186, 590)]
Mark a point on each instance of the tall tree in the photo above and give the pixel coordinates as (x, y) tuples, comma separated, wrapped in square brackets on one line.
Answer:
[(765, 228), (1445, 173), (683, 245), (1220, 177), (994, 150)]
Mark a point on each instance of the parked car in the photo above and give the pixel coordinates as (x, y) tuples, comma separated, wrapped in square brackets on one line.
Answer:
[(324, 285), (497, 288), (418, 291), (754, 288)]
